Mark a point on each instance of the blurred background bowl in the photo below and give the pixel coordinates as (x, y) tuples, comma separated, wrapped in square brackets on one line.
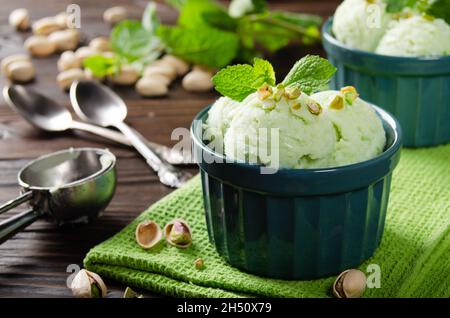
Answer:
[(415, 90)]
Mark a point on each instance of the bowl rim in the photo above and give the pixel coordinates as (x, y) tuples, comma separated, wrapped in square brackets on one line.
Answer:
[(328, 36), (385, 117)]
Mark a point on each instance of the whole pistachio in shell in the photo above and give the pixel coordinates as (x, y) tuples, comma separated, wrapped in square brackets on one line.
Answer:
[(87, 284), (148, 234), (350, 284), (178, 233)]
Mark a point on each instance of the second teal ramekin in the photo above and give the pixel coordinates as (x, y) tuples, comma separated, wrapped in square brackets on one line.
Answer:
[(296, 223), (416, 90)]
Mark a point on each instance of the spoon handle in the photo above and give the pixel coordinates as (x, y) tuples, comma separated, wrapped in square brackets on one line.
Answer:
[(103, 132), (168, 174), (170, 155)]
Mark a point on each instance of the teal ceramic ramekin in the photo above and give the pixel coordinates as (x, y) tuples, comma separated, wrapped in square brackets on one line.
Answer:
[(296, 223), (416, 90)]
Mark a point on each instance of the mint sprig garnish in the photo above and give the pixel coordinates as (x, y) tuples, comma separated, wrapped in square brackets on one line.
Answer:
[(310, 74), (239, 81)]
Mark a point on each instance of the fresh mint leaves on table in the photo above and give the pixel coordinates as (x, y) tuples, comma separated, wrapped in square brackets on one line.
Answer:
[(310, 74), (439, 9), (207, 34), (251, 26)]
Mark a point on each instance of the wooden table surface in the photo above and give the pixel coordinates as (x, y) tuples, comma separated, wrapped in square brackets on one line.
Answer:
[(34, 262)]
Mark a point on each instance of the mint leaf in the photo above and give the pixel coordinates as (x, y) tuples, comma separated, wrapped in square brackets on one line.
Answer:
[(150, 21), (193, 11), (311, 73), (200, 45), (264, 70), (132, 42), (101, 66), (440, 9), (239, 81)]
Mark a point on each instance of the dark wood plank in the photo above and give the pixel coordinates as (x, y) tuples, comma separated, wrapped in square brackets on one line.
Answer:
[(33, 263)]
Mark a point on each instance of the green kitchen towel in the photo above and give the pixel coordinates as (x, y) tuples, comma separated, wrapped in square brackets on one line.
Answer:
[(414, 256)]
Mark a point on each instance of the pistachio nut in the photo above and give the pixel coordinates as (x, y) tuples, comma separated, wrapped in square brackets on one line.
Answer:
[(100, 44), (314, 108), (66, 78), (197, 81), (129, 293), (45, 26), (127, 75), (292, 92), (87, 284), (279, 92), (350, 94), (180, 66), (199, 264), (12, 58), (296, 105), (115, 14), (84, 52), (337, 102), (19, 19), (151, 87), (68, 60), (65, 39), (162, 69), (349, 284), (268, 104), (264, 92), (21, 71), (178, 233), (148, 234), (40, 46)]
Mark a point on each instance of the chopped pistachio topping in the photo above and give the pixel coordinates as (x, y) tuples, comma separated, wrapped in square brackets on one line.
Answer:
[(350, 94), (199, 264), (293, 92), (296, 105), (264, 92), (268, 104), (314, 108), (337, 102), (279, 93)]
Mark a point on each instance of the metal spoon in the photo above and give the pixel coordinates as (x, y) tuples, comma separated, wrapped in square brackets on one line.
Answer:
[(46, 114), (99, 104)]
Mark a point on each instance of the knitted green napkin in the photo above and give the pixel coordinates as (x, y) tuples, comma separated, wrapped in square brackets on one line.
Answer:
[(414, 255)]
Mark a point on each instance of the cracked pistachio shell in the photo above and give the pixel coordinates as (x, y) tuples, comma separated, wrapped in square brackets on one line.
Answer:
[(178, 233), (350, 284), (88, 284), (148, 234)]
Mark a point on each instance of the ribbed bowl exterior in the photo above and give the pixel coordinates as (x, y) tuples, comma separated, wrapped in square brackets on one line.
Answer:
[(300, 237), (415, 90), (296, 223)]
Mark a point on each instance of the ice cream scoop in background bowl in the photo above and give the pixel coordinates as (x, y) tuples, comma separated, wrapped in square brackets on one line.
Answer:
[(416, 90), (296, 223)]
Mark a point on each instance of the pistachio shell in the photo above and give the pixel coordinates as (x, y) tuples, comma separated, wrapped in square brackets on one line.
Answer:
[(20, 19), (65, 40), (12, 58), (197, 81), (180, 66), (87, 284), (21, 71), (162, 69), (68, 60), (148, 234), (66, 78), (115, 14), (40, 46), (349, 284), (45, 26), (178, 233), (100, 43)]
